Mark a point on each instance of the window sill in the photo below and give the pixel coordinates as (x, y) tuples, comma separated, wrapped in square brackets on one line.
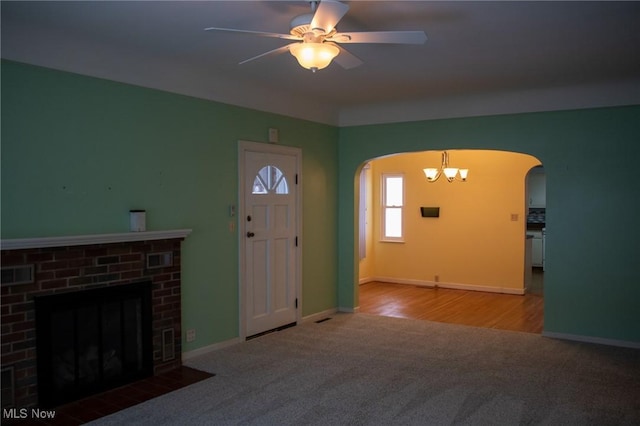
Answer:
[(392, 241)]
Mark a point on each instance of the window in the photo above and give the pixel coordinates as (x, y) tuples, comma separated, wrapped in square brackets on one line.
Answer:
[(392, 203), (270, 180)]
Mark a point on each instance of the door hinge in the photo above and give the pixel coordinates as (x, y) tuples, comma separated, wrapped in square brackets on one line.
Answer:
[(296, 241), (296, 303), (296, 178)]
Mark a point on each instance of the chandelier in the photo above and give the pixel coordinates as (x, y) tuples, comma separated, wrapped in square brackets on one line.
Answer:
[(451, 173)]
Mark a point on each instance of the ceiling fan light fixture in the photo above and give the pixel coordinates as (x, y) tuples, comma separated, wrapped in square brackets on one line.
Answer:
[(315, 34), (314, 56)]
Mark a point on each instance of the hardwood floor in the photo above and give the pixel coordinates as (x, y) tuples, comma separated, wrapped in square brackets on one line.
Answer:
[(475, 308)]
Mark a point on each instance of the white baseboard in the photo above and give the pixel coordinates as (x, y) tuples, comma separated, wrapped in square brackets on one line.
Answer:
[(365, 280), (454, 286), (589, 339), (210, 348), (319, 315), (217, 346), (349, 310)]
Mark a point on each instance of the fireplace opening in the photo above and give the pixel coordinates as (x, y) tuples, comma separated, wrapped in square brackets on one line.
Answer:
[(92, 340)]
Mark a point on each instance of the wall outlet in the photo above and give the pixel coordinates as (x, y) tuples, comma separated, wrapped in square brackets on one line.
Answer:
[(436, 278), (191, 335)]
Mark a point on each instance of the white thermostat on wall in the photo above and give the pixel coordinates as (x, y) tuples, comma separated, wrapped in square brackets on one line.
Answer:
[(273, 135)]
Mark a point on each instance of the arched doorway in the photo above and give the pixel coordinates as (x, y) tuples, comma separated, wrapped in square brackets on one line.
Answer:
[(476, 242)]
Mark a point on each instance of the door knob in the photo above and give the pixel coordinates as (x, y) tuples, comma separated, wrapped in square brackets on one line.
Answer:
[(250, 234)]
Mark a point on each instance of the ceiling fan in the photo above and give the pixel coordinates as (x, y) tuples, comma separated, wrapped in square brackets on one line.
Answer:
[(317, 38)]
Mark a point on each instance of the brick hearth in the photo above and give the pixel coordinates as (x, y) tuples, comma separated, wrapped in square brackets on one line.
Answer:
[(81, 267)]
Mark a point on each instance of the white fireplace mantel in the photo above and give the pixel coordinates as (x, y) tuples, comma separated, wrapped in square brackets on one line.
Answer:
[(83, 240)]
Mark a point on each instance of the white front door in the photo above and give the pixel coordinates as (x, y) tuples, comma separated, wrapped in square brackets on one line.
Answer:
[(269, 236)]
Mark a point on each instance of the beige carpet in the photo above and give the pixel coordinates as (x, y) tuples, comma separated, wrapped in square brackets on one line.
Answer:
[(359, 369)]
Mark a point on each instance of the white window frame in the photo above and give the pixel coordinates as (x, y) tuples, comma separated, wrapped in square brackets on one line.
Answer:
[(384, 206)]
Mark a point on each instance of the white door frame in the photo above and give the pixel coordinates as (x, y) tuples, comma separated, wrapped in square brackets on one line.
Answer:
[(243, 147)]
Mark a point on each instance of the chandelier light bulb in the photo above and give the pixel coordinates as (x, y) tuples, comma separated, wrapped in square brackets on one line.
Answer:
[(450, 173), (431, 174)]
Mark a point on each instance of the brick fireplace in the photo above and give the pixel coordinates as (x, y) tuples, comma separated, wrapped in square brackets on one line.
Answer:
[(46, 266)]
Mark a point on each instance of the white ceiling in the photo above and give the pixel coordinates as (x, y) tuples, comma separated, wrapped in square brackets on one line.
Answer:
[(480, 57)]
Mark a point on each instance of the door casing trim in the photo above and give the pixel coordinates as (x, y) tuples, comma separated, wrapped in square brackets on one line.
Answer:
[(244, 146)]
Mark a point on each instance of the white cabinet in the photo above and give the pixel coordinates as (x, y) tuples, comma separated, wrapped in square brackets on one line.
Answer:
[(536, 252), (528, 273), (537, 188), (536, 248)]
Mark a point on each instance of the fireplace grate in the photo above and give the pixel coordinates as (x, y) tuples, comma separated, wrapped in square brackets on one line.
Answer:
[(92, 340)]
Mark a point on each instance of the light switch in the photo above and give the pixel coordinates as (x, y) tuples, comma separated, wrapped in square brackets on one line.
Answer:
[(514, 217)]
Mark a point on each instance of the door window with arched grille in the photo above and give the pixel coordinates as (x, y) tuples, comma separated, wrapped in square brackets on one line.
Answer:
[(270, 180)]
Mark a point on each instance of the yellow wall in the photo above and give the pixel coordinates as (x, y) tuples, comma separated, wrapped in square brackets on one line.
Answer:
[(474, 242)]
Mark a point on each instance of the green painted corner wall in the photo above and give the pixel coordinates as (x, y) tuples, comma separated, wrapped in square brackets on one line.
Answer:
[(79, 152), (590, 157)]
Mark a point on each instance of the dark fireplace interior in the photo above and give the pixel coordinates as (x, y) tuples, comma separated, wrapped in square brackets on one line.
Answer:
[(92, 340)]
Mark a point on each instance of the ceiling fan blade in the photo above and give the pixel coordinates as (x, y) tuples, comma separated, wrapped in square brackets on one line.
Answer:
[(258, 33), (398, 37), (269, 53), (328, 14), (346, 59)]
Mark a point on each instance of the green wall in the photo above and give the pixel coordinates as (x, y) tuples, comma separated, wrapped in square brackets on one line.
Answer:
[(79, 152), (591, 158)]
